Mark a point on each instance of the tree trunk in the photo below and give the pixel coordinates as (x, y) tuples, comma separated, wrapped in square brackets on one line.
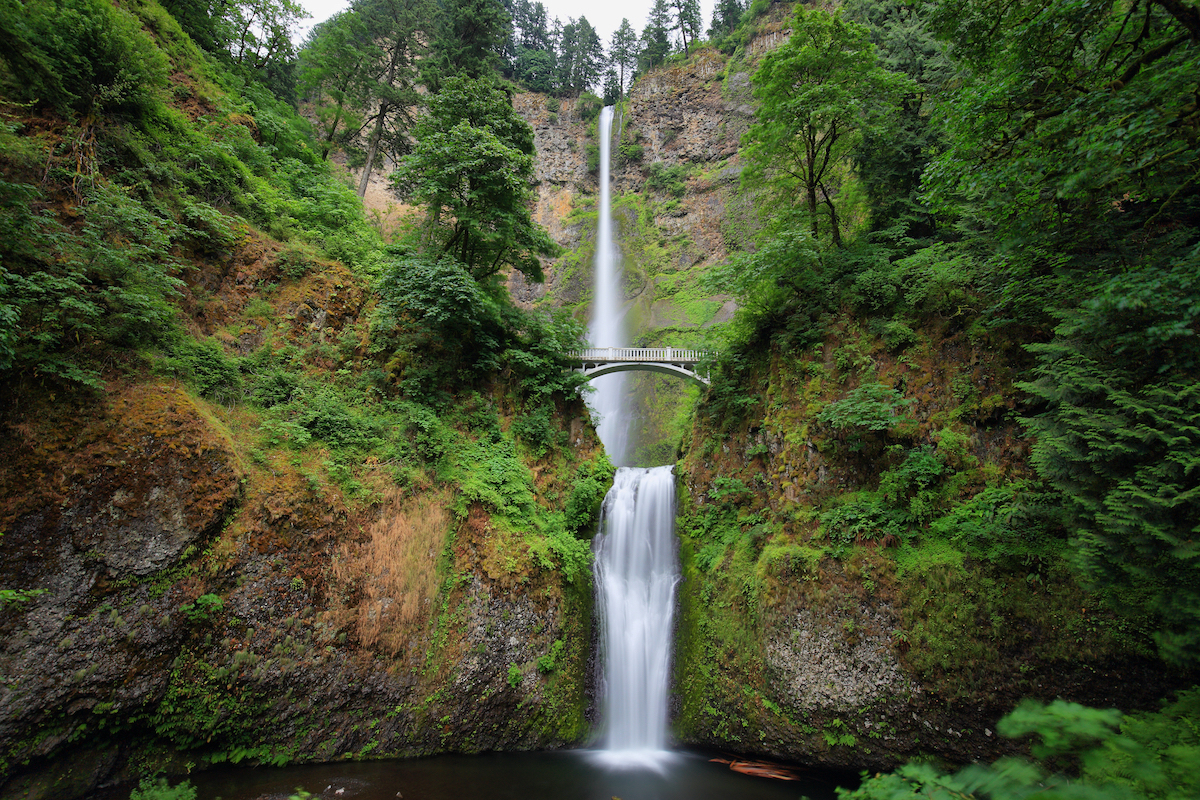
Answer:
[(812, 210), (373, 145), (372, 149), (833, 219)]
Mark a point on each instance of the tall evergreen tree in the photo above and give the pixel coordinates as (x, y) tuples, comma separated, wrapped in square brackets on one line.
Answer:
[(397, 28), (469, 40), (656, 36), (623, 53), (589, 57), (580, 57), (726, 16), (687, 21)]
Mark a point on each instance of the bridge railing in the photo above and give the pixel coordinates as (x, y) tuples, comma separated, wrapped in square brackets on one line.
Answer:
[(668, 354)]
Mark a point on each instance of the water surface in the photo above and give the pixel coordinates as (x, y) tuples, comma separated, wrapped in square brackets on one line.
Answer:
[(564, 775)]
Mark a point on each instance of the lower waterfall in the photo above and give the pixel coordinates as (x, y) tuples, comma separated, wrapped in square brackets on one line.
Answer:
[(636, 574)]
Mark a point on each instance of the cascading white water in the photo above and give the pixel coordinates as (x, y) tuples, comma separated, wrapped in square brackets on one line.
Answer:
[(636, 575), (635, 564), (607, 327)]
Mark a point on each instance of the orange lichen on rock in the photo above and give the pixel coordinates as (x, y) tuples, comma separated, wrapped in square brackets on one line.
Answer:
[(133, 481)]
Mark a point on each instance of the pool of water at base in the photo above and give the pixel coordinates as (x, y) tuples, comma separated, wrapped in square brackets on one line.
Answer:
[(562, 775)]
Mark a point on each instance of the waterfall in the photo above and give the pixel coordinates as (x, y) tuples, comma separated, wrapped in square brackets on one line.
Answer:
[(636, 575), (607, 327), (635, 564)]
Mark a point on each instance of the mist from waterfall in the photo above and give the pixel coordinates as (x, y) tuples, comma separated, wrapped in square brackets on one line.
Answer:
[(607, 328)]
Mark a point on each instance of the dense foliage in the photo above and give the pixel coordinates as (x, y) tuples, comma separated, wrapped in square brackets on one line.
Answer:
[(1044, 194), (472, 170)]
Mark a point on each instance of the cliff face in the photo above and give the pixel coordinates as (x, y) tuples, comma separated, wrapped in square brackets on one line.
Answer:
[(211, 591), (816, 628), (851, 649)]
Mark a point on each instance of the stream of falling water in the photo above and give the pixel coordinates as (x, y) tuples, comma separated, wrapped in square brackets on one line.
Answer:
[(636, 570), (607, 328)]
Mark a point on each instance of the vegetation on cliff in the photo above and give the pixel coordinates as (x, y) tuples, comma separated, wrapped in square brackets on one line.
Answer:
[(956, 432), (227, 401)]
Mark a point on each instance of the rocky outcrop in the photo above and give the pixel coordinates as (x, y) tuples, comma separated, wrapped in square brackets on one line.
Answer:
[(691, 113), (838, 664), (190, 608)]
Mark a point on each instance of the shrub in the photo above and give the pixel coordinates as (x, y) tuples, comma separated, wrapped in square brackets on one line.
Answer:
[(536, 430), (870, 407), (587, 495), (589, 106), (203, 609), (85, 56), (668, 180), (206, 367), (159, 789)]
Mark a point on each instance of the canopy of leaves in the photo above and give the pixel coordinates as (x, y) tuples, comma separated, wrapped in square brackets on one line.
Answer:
[(817, 94), (472, 168)]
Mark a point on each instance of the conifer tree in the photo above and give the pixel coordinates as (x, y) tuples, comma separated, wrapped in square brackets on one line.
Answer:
[(623, 53), (687, 21), (396, 27), (726, 16), (469, 40), (656, 36)]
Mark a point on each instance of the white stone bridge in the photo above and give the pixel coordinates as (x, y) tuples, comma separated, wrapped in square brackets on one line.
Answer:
[(666, 360)]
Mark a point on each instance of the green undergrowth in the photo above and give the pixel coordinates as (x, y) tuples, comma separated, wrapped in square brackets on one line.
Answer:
[(183, 228), (1076, 752), (816, 483)]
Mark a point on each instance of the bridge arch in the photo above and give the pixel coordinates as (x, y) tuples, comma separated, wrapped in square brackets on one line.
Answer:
[(598, 361)]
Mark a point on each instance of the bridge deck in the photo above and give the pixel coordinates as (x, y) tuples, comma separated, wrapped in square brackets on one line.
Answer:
[(602, 355)]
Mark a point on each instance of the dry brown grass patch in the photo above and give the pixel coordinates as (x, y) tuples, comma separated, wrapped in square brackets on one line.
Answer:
[(391, 578)]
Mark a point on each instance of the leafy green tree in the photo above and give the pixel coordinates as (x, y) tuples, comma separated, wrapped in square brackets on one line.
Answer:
[(532, 26), (726, 16), (1071, 154), (891, 162), (335, 76), (623, 53), (202, 21), (1119, 436), (472, 168), (397, 28), (261, 31), (818, 94), (536, 69), (1071, 140), (612, 87), (1134, 757)]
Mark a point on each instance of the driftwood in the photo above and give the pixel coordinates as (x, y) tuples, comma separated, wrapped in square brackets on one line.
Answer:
[(759, 769)]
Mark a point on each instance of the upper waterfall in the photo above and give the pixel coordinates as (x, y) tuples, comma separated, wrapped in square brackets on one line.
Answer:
[(607, 327)]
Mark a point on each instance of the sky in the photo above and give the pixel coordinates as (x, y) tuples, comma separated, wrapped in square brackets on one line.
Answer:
[(605, 18)]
